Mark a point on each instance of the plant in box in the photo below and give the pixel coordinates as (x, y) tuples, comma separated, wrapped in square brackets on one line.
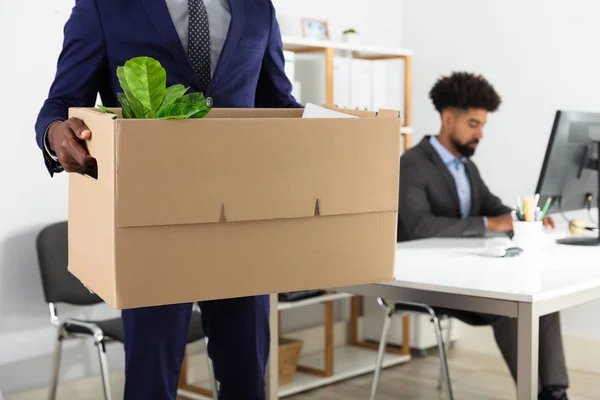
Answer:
[(146, 95)]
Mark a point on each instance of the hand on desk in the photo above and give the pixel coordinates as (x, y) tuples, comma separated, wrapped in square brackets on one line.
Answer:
[(504, 223), (548, 222), (501, 223)]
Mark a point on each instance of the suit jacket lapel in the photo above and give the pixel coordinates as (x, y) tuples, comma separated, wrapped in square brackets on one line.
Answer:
[(159, 14), (446, 175), (236, 27), (475, 188)]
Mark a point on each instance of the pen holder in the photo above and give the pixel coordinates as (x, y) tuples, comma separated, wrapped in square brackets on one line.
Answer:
[(528, 235)]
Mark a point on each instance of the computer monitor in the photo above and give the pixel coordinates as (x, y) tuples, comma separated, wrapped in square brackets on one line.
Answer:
[(569, 173)]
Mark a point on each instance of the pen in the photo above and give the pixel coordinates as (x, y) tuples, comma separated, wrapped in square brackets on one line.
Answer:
[(545, 209), (526, 208), (517, 216)]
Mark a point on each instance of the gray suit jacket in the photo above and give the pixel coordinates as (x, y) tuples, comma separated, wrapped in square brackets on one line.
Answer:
[(428, 199)]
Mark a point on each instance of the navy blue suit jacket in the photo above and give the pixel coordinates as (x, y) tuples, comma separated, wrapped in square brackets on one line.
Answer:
[(101, 35)]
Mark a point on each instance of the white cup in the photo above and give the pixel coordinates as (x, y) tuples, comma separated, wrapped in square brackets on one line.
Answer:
[(528, 235)]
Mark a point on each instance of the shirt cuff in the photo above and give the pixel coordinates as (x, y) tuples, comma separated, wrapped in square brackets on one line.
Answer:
[(485, 222), (46, 145)]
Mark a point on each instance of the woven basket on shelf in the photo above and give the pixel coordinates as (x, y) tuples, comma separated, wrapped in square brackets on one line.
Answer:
[(289, 354)]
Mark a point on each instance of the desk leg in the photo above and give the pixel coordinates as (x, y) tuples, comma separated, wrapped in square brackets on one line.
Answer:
[(527, 352)]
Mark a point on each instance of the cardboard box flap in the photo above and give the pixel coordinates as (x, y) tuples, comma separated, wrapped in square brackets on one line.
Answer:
[(382, 113), (242, 169)]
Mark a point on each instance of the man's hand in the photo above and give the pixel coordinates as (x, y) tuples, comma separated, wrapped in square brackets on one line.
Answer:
[(501, 223), (67, 140), (548, 222)]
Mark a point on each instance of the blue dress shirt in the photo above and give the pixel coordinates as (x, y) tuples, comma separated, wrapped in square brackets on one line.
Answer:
[(457, 169)]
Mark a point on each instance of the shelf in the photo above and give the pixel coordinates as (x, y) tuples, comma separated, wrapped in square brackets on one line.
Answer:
[(312, 301), (350, 362), (298, 44)]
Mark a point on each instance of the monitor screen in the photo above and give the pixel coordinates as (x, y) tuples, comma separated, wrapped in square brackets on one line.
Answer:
[(565, 174)]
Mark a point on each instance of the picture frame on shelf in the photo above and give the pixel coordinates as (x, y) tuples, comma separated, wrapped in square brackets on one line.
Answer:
[(315, 29)]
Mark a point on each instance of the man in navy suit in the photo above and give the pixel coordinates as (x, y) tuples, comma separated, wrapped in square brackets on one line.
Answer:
[(231, 51)]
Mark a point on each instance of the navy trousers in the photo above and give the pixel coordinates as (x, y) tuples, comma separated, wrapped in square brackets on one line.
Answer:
[(155, 340)]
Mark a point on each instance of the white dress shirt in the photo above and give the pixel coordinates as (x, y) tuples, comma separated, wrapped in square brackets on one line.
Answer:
[(219, 17)]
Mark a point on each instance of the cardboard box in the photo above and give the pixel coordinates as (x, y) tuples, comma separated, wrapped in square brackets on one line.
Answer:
[(243, 202)]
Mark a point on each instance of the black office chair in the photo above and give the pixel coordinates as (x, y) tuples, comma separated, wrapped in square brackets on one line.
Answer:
[(60, 286)]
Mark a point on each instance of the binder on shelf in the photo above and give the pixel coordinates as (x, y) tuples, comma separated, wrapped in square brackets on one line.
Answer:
[(341, 82), (361, 84)]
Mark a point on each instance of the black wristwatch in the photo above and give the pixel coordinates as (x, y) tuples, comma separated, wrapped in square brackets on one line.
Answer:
[(51, 161)]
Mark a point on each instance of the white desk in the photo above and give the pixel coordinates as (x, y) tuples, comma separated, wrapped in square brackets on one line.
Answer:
[(454, 273)]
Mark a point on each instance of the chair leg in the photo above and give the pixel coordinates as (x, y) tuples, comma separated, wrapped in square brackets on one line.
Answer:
[(101, 346), (56, 364), (389, 311), (211, 373), (442, 350), (447, 346), (449, 334)]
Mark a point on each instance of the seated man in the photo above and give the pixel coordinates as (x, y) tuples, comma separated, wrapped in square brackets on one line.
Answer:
[(442, 195)]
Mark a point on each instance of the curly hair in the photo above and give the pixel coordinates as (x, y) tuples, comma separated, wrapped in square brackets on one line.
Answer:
[(464, 90)]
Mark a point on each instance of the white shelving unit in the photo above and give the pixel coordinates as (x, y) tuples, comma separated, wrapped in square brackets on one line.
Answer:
[(350, 362), (298, 44), (329, 48), (347, 361), (356, 357), (283, 306)]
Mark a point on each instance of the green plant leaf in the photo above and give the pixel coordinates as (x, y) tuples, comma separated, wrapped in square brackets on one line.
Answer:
[(145, 94), (201, 113), (172, 94), (182, 111), (125, 106), (147, 81), (193, 98), (136, 110), (104, 109)]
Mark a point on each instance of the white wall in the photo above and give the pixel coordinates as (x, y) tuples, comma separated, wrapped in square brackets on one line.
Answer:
[(30, 199), (541, 55), (378, 21)]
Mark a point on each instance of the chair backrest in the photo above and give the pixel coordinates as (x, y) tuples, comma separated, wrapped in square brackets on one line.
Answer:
[(59, 285)]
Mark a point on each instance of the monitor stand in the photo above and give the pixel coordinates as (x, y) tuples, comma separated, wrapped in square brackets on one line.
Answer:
[(587, 241), (595, 240)]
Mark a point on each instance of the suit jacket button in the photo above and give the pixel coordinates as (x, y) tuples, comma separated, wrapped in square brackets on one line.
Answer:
[(209, 101)]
